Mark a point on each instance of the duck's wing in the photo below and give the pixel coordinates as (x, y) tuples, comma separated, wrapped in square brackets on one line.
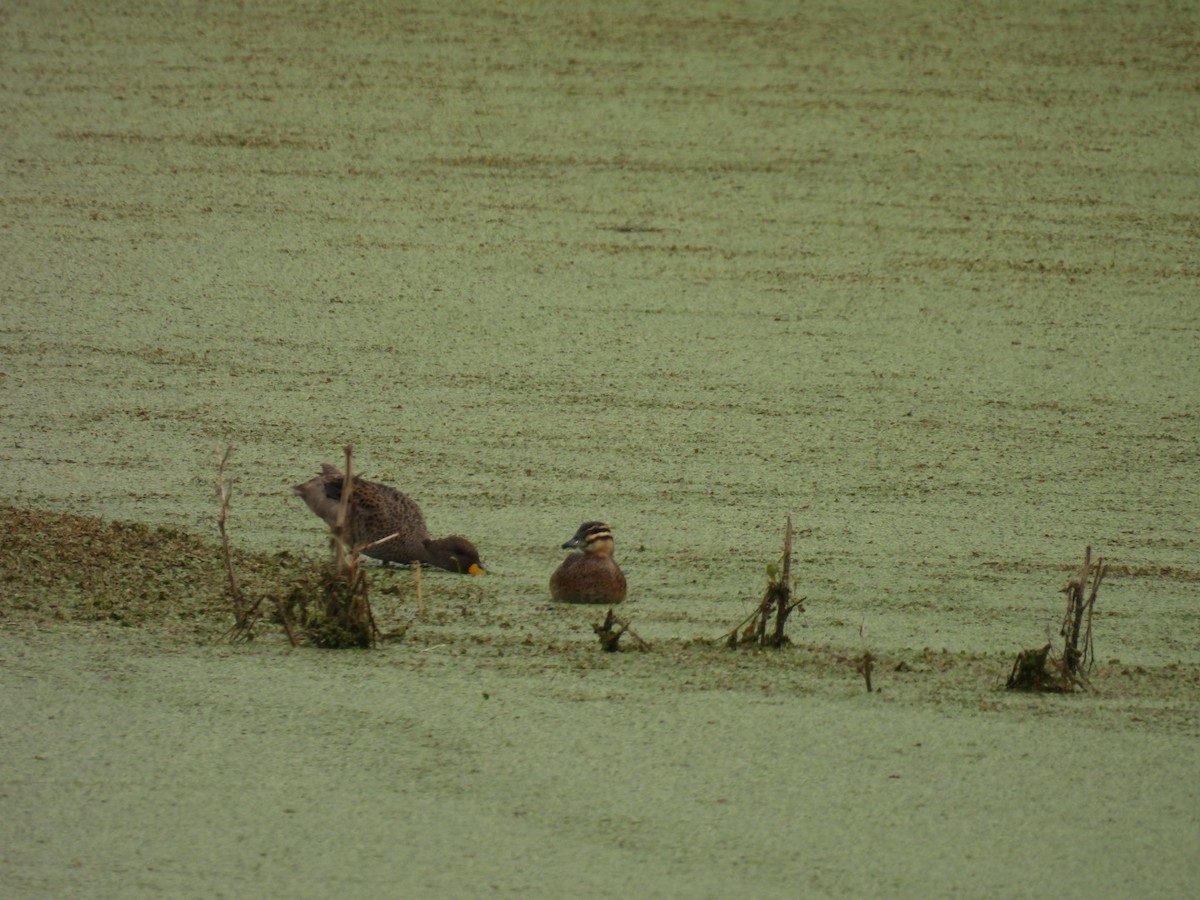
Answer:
[(371, 498), (366, 493)]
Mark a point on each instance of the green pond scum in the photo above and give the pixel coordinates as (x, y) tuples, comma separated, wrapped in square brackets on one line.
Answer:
[(921, 276)]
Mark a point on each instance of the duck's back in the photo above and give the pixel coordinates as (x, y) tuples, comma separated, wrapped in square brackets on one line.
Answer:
[(375, 511), (378, 511)]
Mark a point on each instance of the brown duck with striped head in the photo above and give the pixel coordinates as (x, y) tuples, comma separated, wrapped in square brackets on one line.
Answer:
[(592, 576), (377, 511)]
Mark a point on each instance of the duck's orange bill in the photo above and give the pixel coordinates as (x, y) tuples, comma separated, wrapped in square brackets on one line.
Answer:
[(477, 569)]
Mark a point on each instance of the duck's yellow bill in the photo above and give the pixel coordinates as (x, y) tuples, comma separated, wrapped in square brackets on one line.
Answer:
[(477, 569)]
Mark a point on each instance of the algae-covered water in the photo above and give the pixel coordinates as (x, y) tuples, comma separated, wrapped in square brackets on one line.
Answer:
[(921, 276)]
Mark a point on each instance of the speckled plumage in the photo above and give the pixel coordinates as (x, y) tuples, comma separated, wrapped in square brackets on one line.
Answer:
[(592, 576), (376, 511)]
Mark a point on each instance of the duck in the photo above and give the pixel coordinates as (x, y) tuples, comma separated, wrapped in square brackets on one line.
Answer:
[(592, 576), (376, 511)]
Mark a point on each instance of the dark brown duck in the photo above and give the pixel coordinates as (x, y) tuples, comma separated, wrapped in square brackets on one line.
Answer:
[(377, 511), (592, 576)]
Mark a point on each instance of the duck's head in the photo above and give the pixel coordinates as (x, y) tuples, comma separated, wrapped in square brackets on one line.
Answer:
[(592, 537), (455, 554), (319, 493)]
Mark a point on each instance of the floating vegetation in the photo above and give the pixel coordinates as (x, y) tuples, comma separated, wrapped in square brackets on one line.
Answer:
[(70, 568)]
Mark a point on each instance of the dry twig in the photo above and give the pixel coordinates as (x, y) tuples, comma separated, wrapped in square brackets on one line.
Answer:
[(611, 630), (345, 618), (866, 662), (755, 629), (245, 613), (1039, 670), (1077, 619)]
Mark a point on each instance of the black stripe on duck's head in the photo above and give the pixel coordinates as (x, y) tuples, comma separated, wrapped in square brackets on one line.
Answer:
[(592, 537), (455, 554)]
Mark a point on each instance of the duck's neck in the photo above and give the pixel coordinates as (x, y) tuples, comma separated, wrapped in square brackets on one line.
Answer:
[(601, 547), (313, 495), (440, 553)]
